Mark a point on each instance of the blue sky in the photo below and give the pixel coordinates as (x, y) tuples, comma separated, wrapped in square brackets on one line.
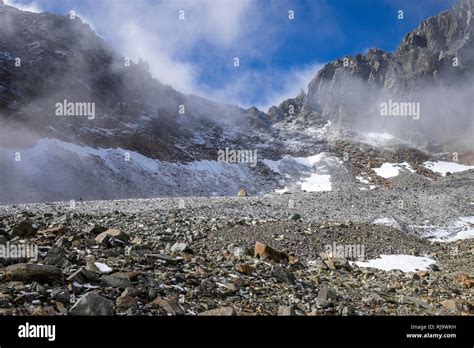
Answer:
[(278, 56)]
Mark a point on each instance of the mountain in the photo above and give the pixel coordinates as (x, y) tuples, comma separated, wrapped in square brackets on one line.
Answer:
[(62, 59), (434, 66), (128, 135)]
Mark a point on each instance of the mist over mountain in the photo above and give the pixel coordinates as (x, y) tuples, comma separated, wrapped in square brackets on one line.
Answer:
[(433, 66), (145, 139)]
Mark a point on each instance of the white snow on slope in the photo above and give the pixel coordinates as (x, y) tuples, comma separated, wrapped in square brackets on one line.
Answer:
[(56, 170), (306, 173), (385, 221), (405, 263), (443, 167), (316, 183), (390, 170), (380, 139), (459, 229)]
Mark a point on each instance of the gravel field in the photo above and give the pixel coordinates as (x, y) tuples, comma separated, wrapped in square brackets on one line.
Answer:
[(266, 255)]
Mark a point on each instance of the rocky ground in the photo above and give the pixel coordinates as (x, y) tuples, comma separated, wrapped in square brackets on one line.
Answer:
[(239, 255)]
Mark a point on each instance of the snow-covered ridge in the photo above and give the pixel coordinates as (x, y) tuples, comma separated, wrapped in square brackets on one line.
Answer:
[(57, 170)]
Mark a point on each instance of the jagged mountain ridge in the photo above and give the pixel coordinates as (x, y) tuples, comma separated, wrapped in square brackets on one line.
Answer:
[(62, 58), (349, 89), (172, 153)]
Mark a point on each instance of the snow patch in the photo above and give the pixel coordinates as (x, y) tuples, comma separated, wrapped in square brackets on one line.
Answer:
[(460, 229), (443, 167), (385, 221), (103, 268), (405, 263), (317, 183), (390, 170)]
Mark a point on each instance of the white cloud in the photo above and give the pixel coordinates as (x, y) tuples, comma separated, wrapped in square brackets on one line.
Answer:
[(265, 88), (217, 31), (292, 82), (28, 6), (154, 32)]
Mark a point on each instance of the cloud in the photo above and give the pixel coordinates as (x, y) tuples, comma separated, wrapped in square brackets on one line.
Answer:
[(264, 88), (24, 6), (154, 32), (195, 54), (292, 82)]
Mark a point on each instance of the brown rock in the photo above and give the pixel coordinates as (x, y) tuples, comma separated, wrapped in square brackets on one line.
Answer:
[(242, 193), (170, 306), (449, 305), (422, 274), (126, 302), (40, 312), (330, 263), (83, 276), (5, 312), (265, 251), (31, 272), (244, 268), (111, 233), (223, 311), (61, 308), (465, 280), (53, 230), (286, 311)]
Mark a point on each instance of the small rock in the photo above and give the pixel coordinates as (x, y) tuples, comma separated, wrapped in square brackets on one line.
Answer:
[(295, 217), (116, 280), (93, 304), (239, 251), (283, 275), (126, 302), (97, 267), (242, 193), (244, 268), (95, 229), (171, 307), (286, 311), (465, 280), (25, 229), (348, 310), (53, 231), (82, 276), (223, 311), (104, 237), (61, 294), (265, 251), (57, 257), (181, 248), (5, 312), (449, 305)]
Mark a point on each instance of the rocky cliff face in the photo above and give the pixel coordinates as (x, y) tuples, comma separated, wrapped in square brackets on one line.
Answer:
[(433, 66)]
